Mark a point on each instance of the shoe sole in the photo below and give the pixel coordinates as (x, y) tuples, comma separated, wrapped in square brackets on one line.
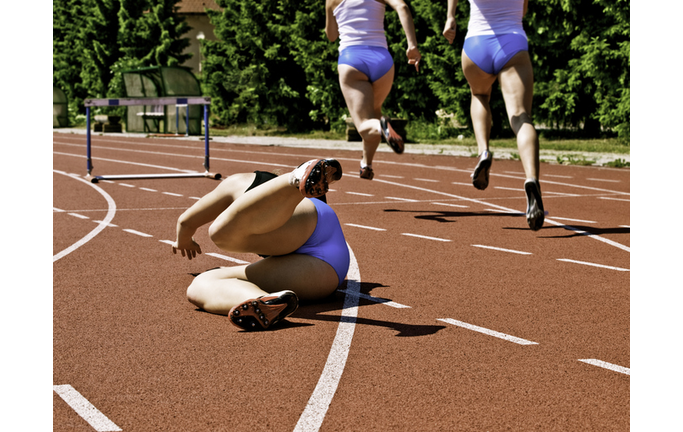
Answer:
[(480, 177), (392, 138), (535, 214), (261, 313), (317, 177)]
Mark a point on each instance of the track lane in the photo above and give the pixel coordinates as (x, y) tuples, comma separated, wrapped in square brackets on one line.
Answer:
[(396, 280)]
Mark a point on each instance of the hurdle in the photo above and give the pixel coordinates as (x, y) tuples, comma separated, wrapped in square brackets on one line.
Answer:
[(188, 100)]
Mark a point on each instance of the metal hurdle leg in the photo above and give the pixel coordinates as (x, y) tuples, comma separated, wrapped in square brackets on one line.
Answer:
[(153, 101), (87, 140)]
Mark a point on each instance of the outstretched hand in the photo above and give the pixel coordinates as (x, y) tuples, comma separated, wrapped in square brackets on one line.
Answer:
[(449, 30), (190, 249), (414, 57)]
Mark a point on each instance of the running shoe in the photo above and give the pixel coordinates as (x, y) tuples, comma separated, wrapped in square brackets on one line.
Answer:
[(480, 176), (535, 214), (262, 312), (393, 139), (367, 173), (313, 178)]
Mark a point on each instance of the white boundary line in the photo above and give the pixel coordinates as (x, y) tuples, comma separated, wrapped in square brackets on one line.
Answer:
[(85, 409), (592, 264), (502, 250), (103, 224), (610, 366), (313, 415), (487, 331)]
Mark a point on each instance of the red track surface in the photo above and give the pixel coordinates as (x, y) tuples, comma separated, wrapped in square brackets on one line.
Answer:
[(490, 328)]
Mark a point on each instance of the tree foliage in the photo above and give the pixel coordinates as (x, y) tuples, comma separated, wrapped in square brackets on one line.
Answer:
[(93, 40), (272, 63)]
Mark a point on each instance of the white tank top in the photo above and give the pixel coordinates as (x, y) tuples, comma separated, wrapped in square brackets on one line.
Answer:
[(360, 22), (489, 17)]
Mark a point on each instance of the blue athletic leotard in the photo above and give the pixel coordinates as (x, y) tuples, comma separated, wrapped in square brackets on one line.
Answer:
[(327, 241)]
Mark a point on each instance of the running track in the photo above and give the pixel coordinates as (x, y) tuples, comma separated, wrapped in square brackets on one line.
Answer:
[(455, 316)]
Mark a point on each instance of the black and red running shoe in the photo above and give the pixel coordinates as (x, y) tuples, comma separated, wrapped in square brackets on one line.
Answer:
[(314, 177), (262, 312), (394, 140)]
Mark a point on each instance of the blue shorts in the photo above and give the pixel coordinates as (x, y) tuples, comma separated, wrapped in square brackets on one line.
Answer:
[(373, 61), (492, 52), (327, 241)]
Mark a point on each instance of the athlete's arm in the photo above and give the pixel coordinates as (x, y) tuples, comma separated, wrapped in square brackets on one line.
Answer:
[(406, 18), (331, 28), (526, 6), (206, 210), (450, 27)]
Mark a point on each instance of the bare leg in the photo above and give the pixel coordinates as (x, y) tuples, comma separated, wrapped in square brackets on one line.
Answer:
[(364, 100), (480, 85), (271, 219), (517, 83), (517, 86), (219, 290)]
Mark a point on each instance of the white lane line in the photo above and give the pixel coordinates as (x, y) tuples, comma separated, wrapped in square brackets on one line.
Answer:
[(487, 331), (80, 216), (168, 242), (427, 180), (462, 184), (506, 211), (502, 250), (604, 180), (425, 237), (610, 366), (574, 220), (172, 194), (141, 234), (614, 199), (313, 415), (593, 264), (450, 205), (381, 300), (365, 227), (85, 409), (401, 199), (558, 176), (391, 176), (108, 224), (148, 189), (55, 209), (227, 258), (511, 189), (126, 185), (110, 215), (360, 194)]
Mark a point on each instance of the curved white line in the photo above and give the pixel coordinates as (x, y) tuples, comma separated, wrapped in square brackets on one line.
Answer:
[(102, 225), (314, 413)]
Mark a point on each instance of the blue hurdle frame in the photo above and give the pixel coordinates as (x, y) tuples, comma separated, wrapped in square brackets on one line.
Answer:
[(189, 100)]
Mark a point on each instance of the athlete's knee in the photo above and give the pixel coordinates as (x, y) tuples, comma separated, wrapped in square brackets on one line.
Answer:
[(225, 235), (195, 292), (370, 130)]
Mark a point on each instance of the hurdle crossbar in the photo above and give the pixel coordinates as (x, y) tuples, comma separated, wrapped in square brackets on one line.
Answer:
[(188, 100)]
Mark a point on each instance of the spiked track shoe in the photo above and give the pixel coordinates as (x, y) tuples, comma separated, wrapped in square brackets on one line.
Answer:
[(367, 173), (393, 139), (480, 176), (314, 177), (535, 214), (261, 313)]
